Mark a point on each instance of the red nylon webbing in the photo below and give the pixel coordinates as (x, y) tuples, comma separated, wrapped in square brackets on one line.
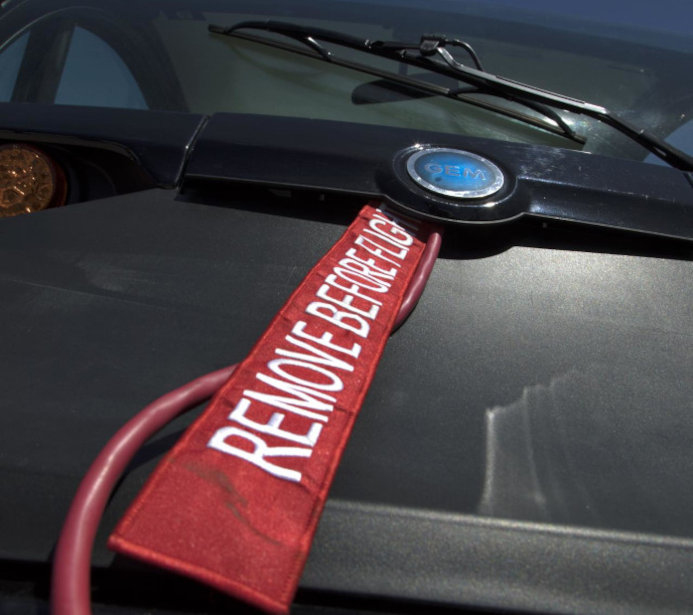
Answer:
[(236, 502)]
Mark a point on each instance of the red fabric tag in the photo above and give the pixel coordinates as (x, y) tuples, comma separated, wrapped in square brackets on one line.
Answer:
[(236, 502)]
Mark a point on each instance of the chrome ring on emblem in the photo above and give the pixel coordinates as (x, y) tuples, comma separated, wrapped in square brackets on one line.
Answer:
[(455, 173)]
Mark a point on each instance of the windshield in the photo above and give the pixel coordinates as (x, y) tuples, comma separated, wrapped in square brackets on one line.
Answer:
[(159, 55)]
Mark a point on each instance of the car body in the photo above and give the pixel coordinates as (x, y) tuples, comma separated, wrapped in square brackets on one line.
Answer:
[(526, 442)]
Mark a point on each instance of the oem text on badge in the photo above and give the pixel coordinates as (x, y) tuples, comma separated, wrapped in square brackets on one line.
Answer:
[(455, 173)]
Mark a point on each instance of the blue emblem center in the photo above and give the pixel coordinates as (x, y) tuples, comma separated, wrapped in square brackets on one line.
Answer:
[(455, 173)]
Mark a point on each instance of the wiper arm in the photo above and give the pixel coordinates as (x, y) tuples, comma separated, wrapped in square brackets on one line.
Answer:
[(308, 37), (431, 53)]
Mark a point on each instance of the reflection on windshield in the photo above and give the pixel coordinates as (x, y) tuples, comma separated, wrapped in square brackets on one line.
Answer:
[(95, 75), (640, 74), (10, 61)]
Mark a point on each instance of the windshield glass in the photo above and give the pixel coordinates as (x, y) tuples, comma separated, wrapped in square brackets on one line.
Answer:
[(157, 54)]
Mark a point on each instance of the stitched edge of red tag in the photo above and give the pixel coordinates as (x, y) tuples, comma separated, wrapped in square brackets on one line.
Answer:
[(197, 485)]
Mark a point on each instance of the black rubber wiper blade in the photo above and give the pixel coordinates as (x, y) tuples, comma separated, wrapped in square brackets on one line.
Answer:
[(298, 32), (431, 53)]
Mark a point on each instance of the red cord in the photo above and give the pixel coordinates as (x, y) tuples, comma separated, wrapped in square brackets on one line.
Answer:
[(72, 562), (71, 582), (419, 279)]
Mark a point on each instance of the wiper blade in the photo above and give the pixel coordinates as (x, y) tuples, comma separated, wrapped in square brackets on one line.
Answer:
[(425, 87), (431, 53)]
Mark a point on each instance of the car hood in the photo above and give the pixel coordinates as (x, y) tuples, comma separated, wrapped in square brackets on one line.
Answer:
[(527, 434)]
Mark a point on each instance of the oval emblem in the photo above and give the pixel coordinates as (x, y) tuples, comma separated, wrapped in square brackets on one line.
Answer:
[(455, 173)]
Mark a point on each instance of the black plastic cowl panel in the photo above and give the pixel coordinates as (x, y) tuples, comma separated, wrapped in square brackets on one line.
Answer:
[(368, 160), (158, 141)]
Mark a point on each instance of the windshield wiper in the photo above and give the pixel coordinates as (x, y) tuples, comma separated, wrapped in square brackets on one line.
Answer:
[(431, 54), (411, 85)]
